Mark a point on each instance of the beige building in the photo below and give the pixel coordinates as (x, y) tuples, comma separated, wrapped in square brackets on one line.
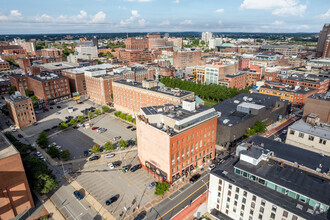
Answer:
[(186, 58)]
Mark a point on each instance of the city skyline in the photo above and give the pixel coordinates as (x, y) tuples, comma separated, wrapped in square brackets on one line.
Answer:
[(71, 16)]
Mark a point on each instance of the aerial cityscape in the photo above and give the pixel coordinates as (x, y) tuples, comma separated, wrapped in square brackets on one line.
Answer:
[(165, 110)]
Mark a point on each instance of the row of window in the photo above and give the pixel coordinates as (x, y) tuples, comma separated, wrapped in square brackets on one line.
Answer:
[(310, 137)]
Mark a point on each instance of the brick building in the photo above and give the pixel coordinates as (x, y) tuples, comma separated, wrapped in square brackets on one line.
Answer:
[(136, 43), (129, 96), (236, 80), (51, 52), (155, 43), (15, 192), (322, 40), (14, 51), (252, 78), (135, 56), (243, 64), (199, 72), (4, 65), (49, 86), (19, 81), (326, 49), (176, 42), (57, 67), (27, 62), (286, 50), (174, 140), (153, 35), (185, 58), (318, 104), (21, 110)]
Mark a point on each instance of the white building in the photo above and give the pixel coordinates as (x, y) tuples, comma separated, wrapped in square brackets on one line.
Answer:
[(206, 36), (270, 180), (213, 42), (83, 52), (311, 135)]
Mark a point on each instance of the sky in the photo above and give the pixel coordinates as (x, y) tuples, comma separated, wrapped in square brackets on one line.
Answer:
[(112, 16)]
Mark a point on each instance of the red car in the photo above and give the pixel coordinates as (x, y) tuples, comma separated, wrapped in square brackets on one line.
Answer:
[(45, 109), (94, 128)]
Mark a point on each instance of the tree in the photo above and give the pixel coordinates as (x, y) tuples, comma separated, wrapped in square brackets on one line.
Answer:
[(134, 121), (34, 100), (65, 155), (90, 114), (129, 118), (28, 93), (73, 122), (250, 132), (109, 146), (161, 188), (122, 143), (95, 148), (42, 140), (63, 125), (101, 54), (135, 141), (123, 116), (11, 90), (53, 151), (12, 62), (117, 114), (81, 118), (97, 111), (202, 42), (105, 109), (109, 55), (46, 183), (259, 126)]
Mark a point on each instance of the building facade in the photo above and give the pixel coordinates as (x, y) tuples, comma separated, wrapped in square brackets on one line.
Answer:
[(216, 73), (184, 58), (318, 104), (322, 40), (4, 65), (135, 56), (51, 52), (137, 43), (174, 140)]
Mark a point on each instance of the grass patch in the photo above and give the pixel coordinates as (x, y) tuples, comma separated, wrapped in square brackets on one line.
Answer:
[(208, 104)]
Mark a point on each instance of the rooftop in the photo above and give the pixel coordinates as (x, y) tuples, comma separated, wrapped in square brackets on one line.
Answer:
[(296, 89), (324, 96), (277, 46), (59, 65), (311, 78), (233, 75), (321, 130), (83, 69), (45, 76), (6, 148), (163, 90), (17, 97)]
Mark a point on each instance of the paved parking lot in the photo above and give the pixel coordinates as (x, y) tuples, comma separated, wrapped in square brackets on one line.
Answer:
[(103, 183), (81, 139)]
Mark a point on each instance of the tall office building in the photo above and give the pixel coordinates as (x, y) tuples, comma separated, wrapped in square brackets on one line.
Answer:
[(206, 36), (322, 39)]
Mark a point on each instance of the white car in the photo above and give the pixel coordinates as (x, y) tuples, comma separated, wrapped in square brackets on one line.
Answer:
[(80, 124), (109, 155), (284, 131), (111, 166), (58, 147), (58, 113), (211, 167)]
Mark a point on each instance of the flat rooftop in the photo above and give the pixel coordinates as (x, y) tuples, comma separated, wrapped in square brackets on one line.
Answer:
[(316, 130), (322, 96), (59, 65), (45, 76), (233, 75), (311, 78), (300, 90), (14, 98), (6, 148), (89, 68), (163, 90)]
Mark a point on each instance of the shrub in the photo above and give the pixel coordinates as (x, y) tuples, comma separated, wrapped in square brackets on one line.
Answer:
[(97, 111), (90, 114), (63, 125), (129, 118), (117, 114), (123, 116), (134, 121), (73, 122), (95, 148), (122, 143), (161, 188), (105, 109), (109, 146), (81, 118), (65, 154), (42, 140), (53, 151)]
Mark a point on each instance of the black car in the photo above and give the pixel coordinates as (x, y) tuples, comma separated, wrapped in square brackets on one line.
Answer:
[(129, 127), (126, 168), (55, 126), (78, 195), (133, 129), (94, 158), (51, 107), (35, 123), (112, 200), (136, 167), (20, 136), (194, 178), (141, 215), (46, 130), (116, 163), (86, 153), (58, 106)]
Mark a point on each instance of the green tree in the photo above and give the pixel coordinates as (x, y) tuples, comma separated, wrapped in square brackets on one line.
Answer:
[(101, 54), (95, 148), (12, 62), (118, 113), (161, 188), (65, 155), (129, 118), (97, 111), (81, 118), (123, 116), (43, 140), (11, 90), (109, 55), (46, 183), (134, 121), (53, 151), (90, 114), (202, 42), (34, 100), (250, 132), (105, 109), (122, 143), (63, 125), (28, 93), (135, 141), (73, 122), (109, 146), (259, 126)]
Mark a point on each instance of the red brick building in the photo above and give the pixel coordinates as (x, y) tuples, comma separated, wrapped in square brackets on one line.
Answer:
[(255, 68), (243, 64), (237, 80), (175, 140), (318, 104), (135, 56), (185, 58), (136, 43), (321, 84), (51, 52), (15, 194), (4, 65), (19, 81), (21, 110), (252, 78), (326, 49)]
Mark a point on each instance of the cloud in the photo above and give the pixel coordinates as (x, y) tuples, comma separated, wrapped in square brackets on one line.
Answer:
[(278, 23), (130, 20), (176, 1), (138, 0), (142, 22), (187, 22), (98, 17), (265, 27), (303, 26), (14, 15), (278, 7), (220, 10), (220, 23), (165, 23), (135, 13), (325, 16), (82, 14)]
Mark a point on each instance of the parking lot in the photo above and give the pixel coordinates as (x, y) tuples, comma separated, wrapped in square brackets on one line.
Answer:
[(103, 183), (79, 140)]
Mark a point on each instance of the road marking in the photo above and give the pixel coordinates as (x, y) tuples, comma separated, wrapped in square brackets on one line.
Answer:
[(183, 200), (79, 202), (184, 189), (71, 216)]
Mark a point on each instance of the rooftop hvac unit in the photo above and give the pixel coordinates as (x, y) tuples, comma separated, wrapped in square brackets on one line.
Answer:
[(250, 99), (160, 125), (219, 114), (225, 121), (236, 101), (165, 127), (245, 98)]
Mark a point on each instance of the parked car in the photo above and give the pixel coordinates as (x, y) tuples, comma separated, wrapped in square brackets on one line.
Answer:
[(58, 113), (35, 123), (78, 195), (133, 129), (86, 153), (111, 166), (136, 167), (284, 131), (94, 128), (116, 163), (94, 158), (126, 168), (141, 215), (20, 136), (117, 138), (194, 178), (46, 130), (129, 127), (101, 130), (152, 185), (51, 107), (80, 125), (112, 200), (45, 109), (109, 155), (58, 106), (211, 167), (90, 152)]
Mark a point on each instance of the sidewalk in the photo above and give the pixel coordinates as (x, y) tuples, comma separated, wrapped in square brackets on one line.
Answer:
[(279, 126)]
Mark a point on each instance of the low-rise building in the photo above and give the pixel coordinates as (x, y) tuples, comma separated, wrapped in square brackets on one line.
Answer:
[(199, 72), (51, 52), (135, 56), (286, 50), (216, 73), (129, 96), (186, 58), (318, 104), (237, 114), (4, 65), (19, 81), (312, 81), (57, 67), (21, 110), (270, 180), (236, 80), (16, 196), (173, 140)]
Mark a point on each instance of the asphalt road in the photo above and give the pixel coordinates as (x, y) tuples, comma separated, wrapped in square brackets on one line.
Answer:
[(172, 205)]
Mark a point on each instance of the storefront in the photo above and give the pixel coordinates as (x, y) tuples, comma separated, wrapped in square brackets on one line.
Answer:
[(161, 175)]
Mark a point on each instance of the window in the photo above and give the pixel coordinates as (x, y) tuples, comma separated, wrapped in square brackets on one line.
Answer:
[(244, 200), (229, 193), (311, 138), (234, 209), (263, 202), (242, 213), (226, 211), (274, 208), (244, 193), (220, 182), (294, 217), (243, 207), (253, 205), (236, 196), (301, 135), (237, 189), (261, 210), (235, 203), (272, 215), (285, 213), (219, 194), (227, 205), (254, 198), (322, 141), (230, 186), (228, 199), (251, 212)]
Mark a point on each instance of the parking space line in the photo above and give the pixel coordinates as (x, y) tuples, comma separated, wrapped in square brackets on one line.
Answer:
[(71, 216)]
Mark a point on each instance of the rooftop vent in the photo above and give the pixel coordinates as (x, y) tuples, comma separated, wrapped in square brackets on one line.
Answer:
[(236, 101), (225, 121)]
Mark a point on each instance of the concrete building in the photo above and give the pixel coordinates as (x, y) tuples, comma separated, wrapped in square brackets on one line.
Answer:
[(177, 42), (286, 50), (321, 43), (270, 180), (206, 36), (135, 56), (216, 73), (56, 67), (87, 52), (14, 188), (29, 47), (310, 134), (155, 43), (186, 58), (214, 42), (129, 96), (49, 86), (21, 110), (318, 104), (137, 43), (173, 140), (4, 65), (237, 114), (51, 52)]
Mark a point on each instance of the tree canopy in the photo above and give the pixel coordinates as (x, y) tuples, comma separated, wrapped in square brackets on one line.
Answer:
[(42, 140)]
